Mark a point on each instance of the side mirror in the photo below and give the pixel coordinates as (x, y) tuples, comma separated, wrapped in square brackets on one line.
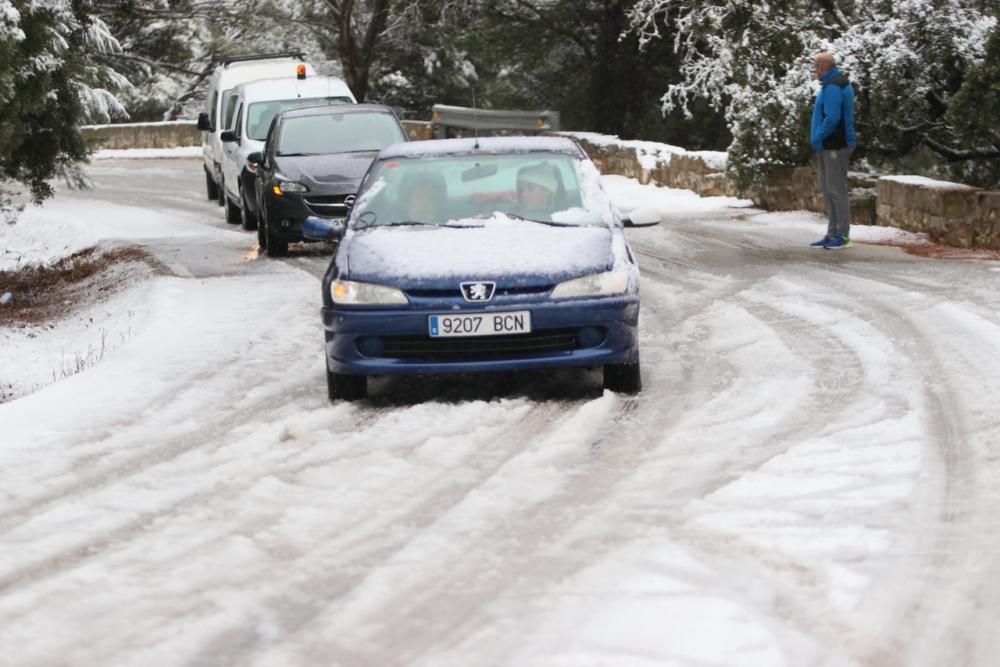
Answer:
[(319, 229), (228, 136), (254, 160), (643, 217), (204, 124)]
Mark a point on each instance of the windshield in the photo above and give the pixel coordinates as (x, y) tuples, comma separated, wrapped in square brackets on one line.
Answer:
[(338, 133), (260, 114), (551, 188)]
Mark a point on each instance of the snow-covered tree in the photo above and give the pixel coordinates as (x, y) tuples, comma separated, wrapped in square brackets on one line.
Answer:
[(908, 58), (51, 82)]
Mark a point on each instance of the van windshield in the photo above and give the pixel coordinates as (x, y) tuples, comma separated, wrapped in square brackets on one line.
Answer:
[(260, 114)]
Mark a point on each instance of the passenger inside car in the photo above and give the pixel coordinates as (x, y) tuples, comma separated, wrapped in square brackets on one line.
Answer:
[(539, 188)]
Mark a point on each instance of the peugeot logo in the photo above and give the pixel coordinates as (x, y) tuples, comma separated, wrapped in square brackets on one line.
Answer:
[(349, 201), (478, 292)]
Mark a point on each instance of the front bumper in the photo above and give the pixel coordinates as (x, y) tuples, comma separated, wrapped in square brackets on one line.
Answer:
[(286, 214), (554, 341)]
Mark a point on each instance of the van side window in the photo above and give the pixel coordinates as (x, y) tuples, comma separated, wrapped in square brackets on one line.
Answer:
[(229, 102), (239, 121), (213, 111)]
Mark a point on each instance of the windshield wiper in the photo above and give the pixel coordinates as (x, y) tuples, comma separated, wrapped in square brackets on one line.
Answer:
[(550, 223), (412, 223), (296, 154)]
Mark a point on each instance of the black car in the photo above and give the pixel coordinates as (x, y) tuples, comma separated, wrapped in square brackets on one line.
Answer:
[(312, 163)]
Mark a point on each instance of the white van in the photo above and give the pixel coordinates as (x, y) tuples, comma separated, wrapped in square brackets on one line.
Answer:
[(250, 109), (230, 73)]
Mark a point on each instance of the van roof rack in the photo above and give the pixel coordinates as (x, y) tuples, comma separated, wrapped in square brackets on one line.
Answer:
[(229, 60)]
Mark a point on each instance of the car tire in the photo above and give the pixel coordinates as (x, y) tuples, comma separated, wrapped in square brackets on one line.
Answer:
[(623, 378), (275, 247), (247, 218), (232, 212), (262, 231), (221, 187), (211, 189), (340, 387)]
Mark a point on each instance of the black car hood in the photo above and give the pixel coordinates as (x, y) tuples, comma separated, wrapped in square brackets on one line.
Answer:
[(334, 174)]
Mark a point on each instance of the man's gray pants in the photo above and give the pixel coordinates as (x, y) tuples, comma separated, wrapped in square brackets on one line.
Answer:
[(832, 173)]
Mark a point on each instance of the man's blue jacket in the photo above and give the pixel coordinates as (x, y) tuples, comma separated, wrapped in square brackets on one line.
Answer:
[(833, 114)]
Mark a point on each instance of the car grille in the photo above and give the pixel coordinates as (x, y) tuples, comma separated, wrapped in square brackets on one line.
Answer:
[(425, 348), (328, 206), (457, 293)]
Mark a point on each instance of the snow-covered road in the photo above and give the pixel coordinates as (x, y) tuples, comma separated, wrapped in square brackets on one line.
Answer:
[(810, 477)]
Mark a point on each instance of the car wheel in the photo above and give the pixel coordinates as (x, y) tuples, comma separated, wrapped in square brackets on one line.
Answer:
[(275, 247), (623, 378), (232, 212), (247, 217), (211, 189), (262, 231), (340, 387)]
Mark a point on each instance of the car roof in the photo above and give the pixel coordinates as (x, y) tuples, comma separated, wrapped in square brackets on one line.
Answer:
[(323, 109), (491, 145), (289, 87)]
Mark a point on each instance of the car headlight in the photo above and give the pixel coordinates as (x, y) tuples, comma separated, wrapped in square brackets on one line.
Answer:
[(351, 293), (284, 187), (599, 284)]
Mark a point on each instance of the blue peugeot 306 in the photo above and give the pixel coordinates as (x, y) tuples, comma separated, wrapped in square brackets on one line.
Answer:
[(480, 255)]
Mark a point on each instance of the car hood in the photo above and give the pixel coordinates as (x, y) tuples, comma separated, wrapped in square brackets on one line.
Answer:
[(335, 173), (510, 252)]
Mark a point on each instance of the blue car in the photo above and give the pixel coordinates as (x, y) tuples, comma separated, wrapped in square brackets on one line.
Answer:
[(480, 255)]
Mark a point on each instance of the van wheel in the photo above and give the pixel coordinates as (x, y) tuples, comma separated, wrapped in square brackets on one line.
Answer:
[(221, 187), (232, 213), (247, 217), (623, 378), (340, 387), (211, 189)]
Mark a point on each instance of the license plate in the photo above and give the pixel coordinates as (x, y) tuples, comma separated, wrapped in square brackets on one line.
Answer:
[(480, 324)]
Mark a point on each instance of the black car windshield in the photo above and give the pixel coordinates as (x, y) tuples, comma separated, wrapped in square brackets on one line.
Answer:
[(260, 114), (463, 190), (335, 132)]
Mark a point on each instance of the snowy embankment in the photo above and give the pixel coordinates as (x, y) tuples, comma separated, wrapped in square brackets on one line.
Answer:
[(651, 153), (148, 153)]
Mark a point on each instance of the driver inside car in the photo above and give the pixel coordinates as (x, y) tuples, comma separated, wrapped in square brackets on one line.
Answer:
[(423, 198)]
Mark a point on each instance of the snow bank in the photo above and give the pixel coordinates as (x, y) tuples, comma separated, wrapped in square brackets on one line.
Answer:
[(924, 182), (650, 153), (162, 123), (62, 227), (145, 153)]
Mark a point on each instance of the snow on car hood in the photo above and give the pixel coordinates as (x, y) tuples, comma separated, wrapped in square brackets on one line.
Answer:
[(520, 251)]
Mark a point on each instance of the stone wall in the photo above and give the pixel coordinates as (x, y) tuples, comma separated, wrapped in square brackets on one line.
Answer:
[(171, 134), (948, 213)]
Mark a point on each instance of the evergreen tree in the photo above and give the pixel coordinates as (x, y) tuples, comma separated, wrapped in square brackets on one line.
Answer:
[(50, 84)]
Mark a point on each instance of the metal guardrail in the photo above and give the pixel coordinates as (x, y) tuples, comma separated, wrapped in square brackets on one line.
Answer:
[(445, 116)]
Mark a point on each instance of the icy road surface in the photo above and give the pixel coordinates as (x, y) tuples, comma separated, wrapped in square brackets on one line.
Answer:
[(811, 476)]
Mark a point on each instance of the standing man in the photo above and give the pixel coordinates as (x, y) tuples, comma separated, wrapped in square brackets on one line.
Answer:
[(834, 140)]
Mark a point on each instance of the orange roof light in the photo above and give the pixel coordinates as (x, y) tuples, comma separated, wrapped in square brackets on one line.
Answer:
[(300, 71)]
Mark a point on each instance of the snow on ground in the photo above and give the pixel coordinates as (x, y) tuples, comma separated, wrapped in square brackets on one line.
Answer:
[(807, 478), (62, 227), (147, 153)]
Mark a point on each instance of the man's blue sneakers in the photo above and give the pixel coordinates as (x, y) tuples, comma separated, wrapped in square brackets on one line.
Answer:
[(838, 242), (821, 243)]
